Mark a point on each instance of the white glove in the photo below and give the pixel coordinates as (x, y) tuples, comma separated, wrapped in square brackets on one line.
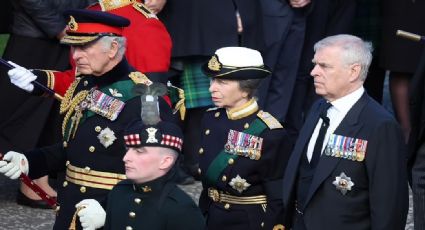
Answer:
[(21, 77), (13, 164), (92, 216)]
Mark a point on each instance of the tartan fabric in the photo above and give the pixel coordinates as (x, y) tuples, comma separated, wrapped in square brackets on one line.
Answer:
[(195, 84), (367, 23), (172, 141), (133, 139)]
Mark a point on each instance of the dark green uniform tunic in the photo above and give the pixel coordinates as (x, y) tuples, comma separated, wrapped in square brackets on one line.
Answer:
[(155, 205), (85, 149)]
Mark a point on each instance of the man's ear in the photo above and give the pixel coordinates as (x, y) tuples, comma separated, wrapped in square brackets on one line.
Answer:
[(355, 72), (167, 161), (113, 49)]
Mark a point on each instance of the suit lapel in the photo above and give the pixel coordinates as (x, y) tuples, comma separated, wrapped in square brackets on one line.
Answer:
[(349, 126), (302, 141)]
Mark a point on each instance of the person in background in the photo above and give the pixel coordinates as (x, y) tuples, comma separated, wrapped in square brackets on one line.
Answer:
[(399, 55)]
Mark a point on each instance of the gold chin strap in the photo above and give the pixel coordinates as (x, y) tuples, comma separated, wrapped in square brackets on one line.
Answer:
[(73, 225)]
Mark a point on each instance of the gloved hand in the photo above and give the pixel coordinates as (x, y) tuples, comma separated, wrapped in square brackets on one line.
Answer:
[(13, 164), (92, 216), (21, 77)]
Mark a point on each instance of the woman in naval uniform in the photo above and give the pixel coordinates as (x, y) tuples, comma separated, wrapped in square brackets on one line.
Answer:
[(244, 150)]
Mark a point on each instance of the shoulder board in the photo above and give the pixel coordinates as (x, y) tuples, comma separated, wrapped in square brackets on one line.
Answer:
[(212, 109), (139, 78), (108, 5), (270, 121), (142, 8)]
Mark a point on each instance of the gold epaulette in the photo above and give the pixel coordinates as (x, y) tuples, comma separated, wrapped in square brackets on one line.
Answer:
[(142, 8), (270, 121), (108, 5), (212, 109), (140, 78)]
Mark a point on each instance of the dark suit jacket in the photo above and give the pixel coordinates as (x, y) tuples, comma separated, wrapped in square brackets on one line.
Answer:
[(379, 197)]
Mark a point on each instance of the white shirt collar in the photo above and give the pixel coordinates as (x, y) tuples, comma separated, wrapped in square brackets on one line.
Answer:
[(344, 104)]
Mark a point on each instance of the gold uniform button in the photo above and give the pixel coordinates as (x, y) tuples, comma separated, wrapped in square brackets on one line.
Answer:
[(201, 150), (128, 228), (132, 214), (65, 183), (137, 200), (224, 178), (199, 171), (83, 189), (246, 125), (67, 163), (227, 206), (97, 129), (87, 169), (231, 161), (92, 148), (207, 132), (217, 114), (65, 144)]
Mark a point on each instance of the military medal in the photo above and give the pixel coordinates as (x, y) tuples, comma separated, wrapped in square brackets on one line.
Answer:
[(343, 183), (104, 105), (243, 144), (239, 184)]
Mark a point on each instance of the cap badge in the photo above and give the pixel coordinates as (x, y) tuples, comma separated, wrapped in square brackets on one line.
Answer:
[(72, 24), (343, 183), (151, 135), (239, 184), (115, 93), (106, 137), (214, 64)]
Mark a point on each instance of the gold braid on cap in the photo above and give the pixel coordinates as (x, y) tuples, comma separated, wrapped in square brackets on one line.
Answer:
[(214, 64), (72, 24)]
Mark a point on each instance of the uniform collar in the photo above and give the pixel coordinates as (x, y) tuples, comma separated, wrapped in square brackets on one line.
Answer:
[(118, 73), (155, 186), (243, 111)]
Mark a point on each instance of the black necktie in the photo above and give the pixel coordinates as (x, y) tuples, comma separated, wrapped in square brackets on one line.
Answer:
[(317, 151)]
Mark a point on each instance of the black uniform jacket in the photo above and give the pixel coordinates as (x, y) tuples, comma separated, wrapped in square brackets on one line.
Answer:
[(154, 205), (83, 155), (263, 175), (379, 197)]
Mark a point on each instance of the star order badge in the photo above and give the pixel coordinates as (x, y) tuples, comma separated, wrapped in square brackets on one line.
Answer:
[(343, 183), (239, 184), (106, 137)]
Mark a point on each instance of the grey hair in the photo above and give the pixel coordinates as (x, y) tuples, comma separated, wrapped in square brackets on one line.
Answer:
[(107, 41), (354, 50), (249, 86)]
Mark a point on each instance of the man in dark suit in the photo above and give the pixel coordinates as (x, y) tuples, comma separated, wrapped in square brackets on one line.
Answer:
[(347, 170), (284, 27)]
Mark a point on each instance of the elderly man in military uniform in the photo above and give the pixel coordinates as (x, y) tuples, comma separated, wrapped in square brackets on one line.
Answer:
[(148, 199), (97, 107), (244, 150)]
